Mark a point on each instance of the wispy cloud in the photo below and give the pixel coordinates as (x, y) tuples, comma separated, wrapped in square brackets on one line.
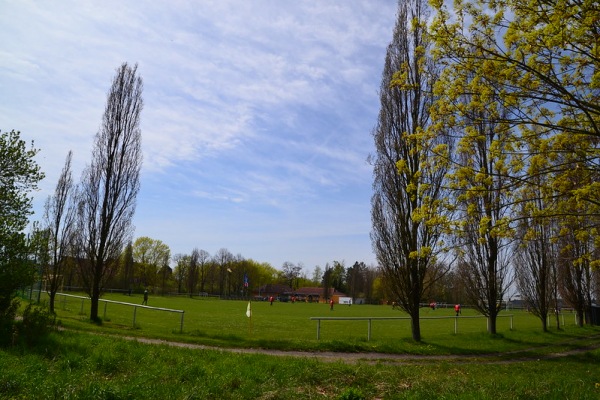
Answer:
[(257, 114)]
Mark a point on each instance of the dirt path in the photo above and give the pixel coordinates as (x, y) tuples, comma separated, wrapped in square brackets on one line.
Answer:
[(328, 356)]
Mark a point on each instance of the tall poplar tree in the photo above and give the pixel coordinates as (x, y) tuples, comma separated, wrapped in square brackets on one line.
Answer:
[(60, 213), (408, 210), (110, 184)]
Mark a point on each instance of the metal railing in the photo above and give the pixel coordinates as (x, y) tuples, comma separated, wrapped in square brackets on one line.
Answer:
[(135, 307), (370, 319)]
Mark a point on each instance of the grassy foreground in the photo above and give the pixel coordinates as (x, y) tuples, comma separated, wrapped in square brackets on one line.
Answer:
[(72, 365), (514, 364)]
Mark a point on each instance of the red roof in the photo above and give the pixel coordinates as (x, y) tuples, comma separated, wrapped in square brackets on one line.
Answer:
[(274, 289), (316, 291)]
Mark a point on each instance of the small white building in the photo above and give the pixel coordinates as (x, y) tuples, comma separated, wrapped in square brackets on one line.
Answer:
[(345, 300)]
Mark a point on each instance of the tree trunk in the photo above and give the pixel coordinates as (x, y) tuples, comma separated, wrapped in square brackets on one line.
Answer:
[(492, 318), (415, 323), (580, 316), (95, 298), (492, 325), (544, 318), (52, 295), (94, 309)]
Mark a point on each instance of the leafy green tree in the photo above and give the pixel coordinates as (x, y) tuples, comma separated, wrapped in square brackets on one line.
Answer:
[(371, 276), (449, 289), (476, 98), (150, 255), (338, 276), (127, 268), (410, 164), (540, 60), (536, 250), (574, 270), (291, 274), (264, 273), (19, 175), (578, 246), (543, 60), (239, 269), (317, 276), (182, 263), (484, 194), (355, 277)]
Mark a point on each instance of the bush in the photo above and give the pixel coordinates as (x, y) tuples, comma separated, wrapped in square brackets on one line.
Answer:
[(36, 323), (351, 394), (7, 322)]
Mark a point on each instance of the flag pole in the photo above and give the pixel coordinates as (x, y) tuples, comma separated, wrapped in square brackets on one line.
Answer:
[(249, 309), (249, 315)]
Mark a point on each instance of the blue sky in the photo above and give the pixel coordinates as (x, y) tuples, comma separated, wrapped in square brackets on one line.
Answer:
[(257, 120)]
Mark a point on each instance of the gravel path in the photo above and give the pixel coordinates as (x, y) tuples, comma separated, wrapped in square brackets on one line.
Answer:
[(328, 356)]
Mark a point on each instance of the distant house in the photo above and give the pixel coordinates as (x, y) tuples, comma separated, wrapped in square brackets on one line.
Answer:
[(275, 290), (314, 294), (307, 294), (335, 295)]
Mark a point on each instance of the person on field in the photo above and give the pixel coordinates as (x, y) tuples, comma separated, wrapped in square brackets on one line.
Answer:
[(271, 300), (145, 302), (457, 309), (331, 304)]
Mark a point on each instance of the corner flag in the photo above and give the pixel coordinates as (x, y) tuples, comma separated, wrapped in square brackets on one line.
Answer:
[(249, 311)]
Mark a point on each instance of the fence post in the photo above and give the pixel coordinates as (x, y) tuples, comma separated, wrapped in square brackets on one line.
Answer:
[(82, 300), (455, 325), (134, 311), (181, 327), (511, 322), (105, 304), (369, 331), (318, 329)]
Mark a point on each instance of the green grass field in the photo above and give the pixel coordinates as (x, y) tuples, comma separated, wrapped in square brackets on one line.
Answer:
[(77, 363), (217, 322)]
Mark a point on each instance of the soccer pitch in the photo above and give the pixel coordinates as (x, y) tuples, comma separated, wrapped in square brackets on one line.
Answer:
[(226, 320)]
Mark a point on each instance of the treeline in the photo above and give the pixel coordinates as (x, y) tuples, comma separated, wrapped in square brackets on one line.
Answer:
[(487, 154), (148, 264)]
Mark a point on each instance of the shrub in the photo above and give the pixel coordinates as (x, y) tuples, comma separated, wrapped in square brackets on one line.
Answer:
[(36, 323), (7, 322), (351, 394)]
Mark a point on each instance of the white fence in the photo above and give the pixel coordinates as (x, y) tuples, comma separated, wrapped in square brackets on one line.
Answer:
[(61, 298), (370, 319)]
